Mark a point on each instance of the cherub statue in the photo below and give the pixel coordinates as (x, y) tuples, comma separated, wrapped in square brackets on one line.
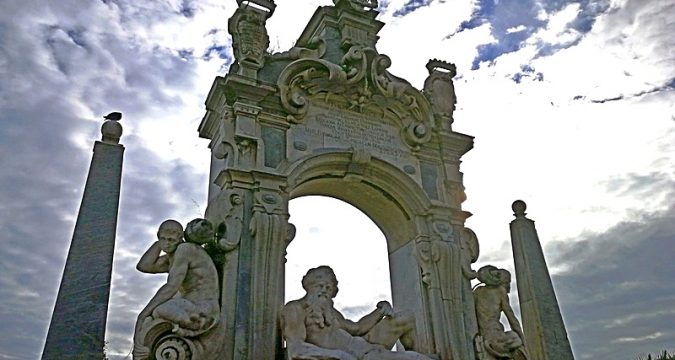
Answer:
[(493, 342), (314, 330), (189, 299)]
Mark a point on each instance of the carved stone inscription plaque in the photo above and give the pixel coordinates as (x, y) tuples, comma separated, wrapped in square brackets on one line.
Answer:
[(346, 129)]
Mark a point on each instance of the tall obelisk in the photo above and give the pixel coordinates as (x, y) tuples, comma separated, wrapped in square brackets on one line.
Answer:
[(77, 328), (545, 334)]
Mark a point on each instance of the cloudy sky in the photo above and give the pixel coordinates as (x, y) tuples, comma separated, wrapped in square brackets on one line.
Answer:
[(571, 104)]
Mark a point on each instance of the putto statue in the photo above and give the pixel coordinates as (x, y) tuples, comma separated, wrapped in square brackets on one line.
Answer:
[(493, 343), (314, 330), (182, 320)]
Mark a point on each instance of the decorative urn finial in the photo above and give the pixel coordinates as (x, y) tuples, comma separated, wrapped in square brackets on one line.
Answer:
[(519, 208)]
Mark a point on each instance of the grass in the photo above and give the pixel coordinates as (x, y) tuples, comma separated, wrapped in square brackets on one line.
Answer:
[(661, 356)]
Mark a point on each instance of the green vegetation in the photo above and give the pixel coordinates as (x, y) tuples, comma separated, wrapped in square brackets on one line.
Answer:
[(662, 356)]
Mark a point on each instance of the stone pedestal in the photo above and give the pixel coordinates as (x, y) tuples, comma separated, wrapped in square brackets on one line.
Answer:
[(545, 334)]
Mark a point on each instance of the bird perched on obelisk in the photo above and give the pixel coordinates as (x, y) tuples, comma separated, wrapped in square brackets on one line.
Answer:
[(116, 116)]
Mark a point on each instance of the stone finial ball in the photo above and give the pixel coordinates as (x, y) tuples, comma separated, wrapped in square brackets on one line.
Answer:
[(111, 131), (199, 231), (519, 207)]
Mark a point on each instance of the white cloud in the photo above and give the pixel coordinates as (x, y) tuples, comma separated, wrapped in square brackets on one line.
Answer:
[(653, 336), (357, 252), (581, 166), (412, 40), (516, 29)]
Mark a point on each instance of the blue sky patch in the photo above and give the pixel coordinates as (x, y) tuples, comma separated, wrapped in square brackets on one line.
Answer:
[(186, 54), (527, 71), (410, 6), (382, 5), (507, 15), (221, 51), (506, 43)]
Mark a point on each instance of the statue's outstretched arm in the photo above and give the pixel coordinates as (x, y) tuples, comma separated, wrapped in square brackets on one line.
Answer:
[(369, 321), (151, 262)]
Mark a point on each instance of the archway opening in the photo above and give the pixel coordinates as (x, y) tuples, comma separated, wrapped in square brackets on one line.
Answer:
[(334, 233)]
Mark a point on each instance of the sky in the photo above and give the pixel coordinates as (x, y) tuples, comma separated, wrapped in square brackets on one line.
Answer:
[(572, 105)]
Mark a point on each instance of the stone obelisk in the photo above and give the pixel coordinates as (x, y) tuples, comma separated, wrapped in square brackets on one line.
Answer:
[(77, 328), (545, 334)]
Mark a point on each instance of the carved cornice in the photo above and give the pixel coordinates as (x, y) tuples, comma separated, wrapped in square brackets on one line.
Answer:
[(215, 101), (226, 91), (358, 5), (456, 144)]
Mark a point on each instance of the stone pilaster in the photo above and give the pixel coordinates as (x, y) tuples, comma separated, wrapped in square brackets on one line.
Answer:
[(545, 334), (77, 328)]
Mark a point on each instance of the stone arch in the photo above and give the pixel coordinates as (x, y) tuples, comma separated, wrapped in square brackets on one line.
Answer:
[(340, 238), (392, 200), (326, 117), (383, 192)]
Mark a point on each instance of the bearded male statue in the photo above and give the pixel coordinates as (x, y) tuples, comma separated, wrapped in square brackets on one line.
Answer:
[(314, 330)]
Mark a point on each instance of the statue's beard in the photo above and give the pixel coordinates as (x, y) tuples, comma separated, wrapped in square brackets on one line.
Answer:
[(319, 311)]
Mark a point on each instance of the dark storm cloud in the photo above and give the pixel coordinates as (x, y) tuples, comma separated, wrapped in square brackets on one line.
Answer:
[(616, 290), (58, 69)]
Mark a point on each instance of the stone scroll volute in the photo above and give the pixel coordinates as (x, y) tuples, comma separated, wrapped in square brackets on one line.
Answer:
[(359, 82), (227, 212)]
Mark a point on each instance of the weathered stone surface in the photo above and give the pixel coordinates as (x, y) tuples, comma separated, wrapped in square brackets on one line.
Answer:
[(493, 341), (326, 117), (545, 333), (314, 330), (182, 321), (78, 322)]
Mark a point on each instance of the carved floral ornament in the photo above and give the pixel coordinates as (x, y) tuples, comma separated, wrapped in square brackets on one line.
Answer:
[(359, 82)]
